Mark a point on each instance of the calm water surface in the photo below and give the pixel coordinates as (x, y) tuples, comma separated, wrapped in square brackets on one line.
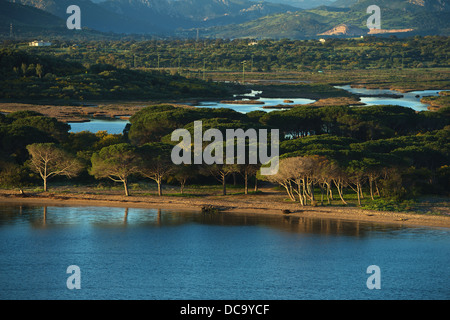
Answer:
[(163, 254), (410, 100), (111, 126)]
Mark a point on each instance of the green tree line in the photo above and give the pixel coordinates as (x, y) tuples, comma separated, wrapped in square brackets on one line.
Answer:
[(382, 151), (29, 77), (262, 55)]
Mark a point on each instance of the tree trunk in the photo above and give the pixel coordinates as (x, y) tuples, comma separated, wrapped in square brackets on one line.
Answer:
[(321, 195), (256, 184), (339, 189), (45, 184), (361, 191), (300, 196), (376, 188), (159, 182), (245, 183), (182, 187), (304, 192), (289, 192), (358, 191), (371, 187), (329, 194), (224, 185), (125, 185)]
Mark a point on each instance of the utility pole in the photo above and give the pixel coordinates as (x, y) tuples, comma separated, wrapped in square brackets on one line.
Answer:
[(158, 60), (252, 64), (11, 30), (204, 68), (243, 71)]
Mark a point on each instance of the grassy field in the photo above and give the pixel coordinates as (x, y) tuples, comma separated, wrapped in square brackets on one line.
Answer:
[(400, 79)]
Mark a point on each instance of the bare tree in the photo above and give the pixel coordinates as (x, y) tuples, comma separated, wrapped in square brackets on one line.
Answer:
[(300, 175), (356, 177), (48, 160), (283, 177), (339, 178)]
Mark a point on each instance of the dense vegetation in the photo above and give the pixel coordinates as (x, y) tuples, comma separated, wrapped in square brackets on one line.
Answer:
[(265, 55), (26, 76), (127, 70), (425, 17), (385, 151)]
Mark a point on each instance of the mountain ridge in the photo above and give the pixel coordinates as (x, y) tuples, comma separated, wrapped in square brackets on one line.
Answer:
[(249, 18), (426, 17)]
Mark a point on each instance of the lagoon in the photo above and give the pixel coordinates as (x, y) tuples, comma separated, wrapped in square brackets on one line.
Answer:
[(410, 100), (165, 254), (115, 126)]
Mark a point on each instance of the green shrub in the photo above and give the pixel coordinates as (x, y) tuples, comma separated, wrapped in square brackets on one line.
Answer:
[(390, 205)]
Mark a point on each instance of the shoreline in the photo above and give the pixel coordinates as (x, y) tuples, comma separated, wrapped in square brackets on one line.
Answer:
[(234, 205)]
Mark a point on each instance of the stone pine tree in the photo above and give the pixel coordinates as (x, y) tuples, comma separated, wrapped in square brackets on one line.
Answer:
[(156, 162), (117, 162)]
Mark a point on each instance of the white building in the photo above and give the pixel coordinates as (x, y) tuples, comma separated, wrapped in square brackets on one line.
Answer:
[(40, 44)]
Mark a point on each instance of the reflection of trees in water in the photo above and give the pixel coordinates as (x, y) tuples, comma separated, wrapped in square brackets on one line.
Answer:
[(45, 216), (39, 216), (296, 224), (125, 217)]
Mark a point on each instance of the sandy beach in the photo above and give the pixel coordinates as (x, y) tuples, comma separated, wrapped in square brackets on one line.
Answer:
[(263, 204)]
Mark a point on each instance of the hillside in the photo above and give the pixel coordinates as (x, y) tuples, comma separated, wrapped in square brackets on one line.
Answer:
[(95, 16), (411, 17), (32, 77), (23, 18), (160, 16), (304, 4), (32, 23), (346, 30), (230, 18)]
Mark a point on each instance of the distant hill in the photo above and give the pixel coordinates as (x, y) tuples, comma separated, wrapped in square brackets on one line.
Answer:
[(194, 13), (344, 3), (31, 22), (22, 16), (234, 18), (94, 16), (295, 25), (304, 4), (421, 17), (159, 16)]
